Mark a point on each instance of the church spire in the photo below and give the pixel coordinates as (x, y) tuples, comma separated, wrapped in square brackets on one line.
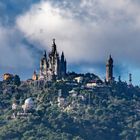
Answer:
[(62, 53), (62, 57), (45, 55)]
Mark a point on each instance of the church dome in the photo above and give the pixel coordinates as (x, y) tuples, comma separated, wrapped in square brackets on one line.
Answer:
[(29, 102)]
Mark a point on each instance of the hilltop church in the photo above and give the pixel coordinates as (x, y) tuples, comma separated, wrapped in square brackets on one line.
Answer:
[(52, 66)]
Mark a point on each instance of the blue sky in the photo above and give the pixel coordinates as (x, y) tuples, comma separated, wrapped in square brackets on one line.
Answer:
[(86, 30)]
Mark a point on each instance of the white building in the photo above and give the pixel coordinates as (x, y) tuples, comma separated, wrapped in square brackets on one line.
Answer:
[(28, 104), (79, 79), (14, 106)]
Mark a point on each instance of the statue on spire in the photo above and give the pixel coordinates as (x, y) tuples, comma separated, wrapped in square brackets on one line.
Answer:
[(53, 40)]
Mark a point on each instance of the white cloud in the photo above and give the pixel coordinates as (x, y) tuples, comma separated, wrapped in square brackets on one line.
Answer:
[(87, 31)]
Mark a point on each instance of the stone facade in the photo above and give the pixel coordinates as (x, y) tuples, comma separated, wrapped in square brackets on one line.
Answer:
[(52, 66)]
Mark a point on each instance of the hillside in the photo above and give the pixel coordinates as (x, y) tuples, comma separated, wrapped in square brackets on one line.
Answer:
[(67, 111)]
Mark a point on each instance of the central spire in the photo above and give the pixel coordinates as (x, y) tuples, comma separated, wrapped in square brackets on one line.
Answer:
[(54, 50)]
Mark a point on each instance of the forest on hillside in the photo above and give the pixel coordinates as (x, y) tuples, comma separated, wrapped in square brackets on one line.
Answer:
[(110, 112)]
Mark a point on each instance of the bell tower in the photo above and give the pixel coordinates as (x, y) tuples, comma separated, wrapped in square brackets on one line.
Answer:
[(109, 69)]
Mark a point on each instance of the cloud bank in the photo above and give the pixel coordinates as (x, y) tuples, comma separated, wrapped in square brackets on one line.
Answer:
[(86, 30)]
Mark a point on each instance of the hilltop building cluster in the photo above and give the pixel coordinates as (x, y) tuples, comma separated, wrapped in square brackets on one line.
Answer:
[(52, 66)]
